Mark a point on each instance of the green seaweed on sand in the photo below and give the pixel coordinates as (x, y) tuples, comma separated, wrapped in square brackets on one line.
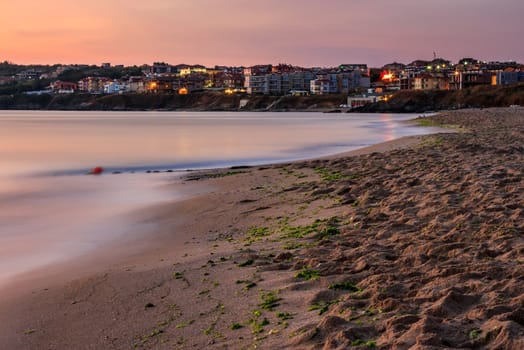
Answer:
[(284, 316), (246, 263), (235, 326), (256, 234), (329, 175), (323, 306), (178, 275), (258, 326), (247, 284), (360, 342), (269, 301), (307, 274), (184, 324), (348, 285)]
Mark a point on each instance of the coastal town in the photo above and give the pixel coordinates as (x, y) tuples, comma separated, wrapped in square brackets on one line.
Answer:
[(361, 83)]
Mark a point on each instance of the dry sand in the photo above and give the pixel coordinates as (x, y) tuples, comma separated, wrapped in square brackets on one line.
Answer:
[(414, 244)]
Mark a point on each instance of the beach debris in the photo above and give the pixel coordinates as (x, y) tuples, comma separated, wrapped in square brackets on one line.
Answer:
[(96, 170)]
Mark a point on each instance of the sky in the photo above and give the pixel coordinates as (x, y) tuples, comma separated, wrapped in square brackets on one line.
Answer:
[(246, 32)]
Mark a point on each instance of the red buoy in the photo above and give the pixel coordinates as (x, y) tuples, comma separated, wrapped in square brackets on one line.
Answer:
[(96, 170)]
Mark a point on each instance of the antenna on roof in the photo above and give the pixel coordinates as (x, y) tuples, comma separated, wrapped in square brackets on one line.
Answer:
[(434, 55)]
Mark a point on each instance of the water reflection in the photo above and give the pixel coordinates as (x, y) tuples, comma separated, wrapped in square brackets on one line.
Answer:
[(50, 219), (43, 141)]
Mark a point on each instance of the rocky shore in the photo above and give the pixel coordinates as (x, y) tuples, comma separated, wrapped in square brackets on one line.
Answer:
[(482, 96), (413, 244)]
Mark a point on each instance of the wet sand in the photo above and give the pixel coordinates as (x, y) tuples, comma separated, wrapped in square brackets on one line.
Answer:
[(413, 244)]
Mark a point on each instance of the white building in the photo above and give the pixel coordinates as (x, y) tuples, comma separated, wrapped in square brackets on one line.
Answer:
[(322, 86), (115, 87), (136, 85), (255, 79)]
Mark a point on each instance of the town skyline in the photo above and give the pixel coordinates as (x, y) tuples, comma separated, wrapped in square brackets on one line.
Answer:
[(281, 79), (109, 64), (237, 33)]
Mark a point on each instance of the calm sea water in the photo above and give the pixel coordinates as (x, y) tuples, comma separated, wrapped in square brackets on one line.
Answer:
[(50, 210)]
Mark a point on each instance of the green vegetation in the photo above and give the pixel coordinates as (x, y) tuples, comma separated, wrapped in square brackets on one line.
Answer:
[(328, 232), (474, 334), (250, 285), (331, 175), (269, 301), (154, 333), (246, 263), (299, 231), (247, 284), (258, 327), (307, 274), (185, 324), (323, 227), (360, 342), (428, 122), (348, 285), (323, 306), (300, 331), (76, 73), (235, 326), (256, 233), (284, 316)]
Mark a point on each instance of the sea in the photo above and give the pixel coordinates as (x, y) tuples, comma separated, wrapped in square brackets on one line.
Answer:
[(53, 210)]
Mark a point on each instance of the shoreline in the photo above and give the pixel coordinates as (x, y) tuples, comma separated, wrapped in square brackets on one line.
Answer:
[(185, 183), (169, 169), (263, 249)]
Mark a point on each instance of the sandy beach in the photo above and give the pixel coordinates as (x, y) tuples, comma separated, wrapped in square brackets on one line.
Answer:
[(413, 244)]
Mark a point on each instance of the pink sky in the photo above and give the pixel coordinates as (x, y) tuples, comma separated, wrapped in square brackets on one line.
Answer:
[(247, 32)]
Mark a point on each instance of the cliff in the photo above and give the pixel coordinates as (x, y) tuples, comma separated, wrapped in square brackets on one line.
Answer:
[(400, 102), (199, 101), (423, 101)]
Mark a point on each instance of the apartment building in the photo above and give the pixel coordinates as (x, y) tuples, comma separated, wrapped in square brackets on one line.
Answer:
[(255, 78), (322, 86), (431, 82), (93, 85)]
